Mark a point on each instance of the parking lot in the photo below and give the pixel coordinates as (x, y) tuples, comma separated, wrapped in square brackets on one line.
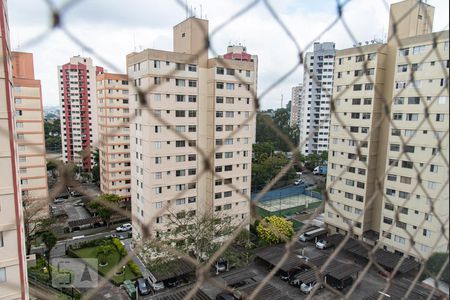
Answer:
[(346, 264)]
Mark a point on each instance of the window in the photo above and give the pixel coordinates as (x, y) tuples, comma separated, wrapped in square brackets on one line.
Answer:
[(397, 116), (367, 101), (408, 149), (390, 192), (158, 175), (399, 239), (407, 164), (402, 68), (426, 232), (227, 194), (359, 58), (192, 68), (180, 67), (434, 168), (158, 190), (389, 206), (230, 86), (400, 84), (387, 220), (230, 71), (439, 117), (220, 71), (1, 243), (180, 143), (356, 101), (192, 83), (192, 113), (357, 87), (180, 201), (428, 217), (418, 49), (406, 180), (412, 117), (413, 100), (401, 225), (180, 113), (180, 82), (368, 86), (2, 275), (403, 52)]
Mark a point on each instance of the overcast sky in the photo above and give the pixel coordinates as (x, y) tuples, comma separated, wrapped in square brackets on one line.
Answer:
[(114, 28)]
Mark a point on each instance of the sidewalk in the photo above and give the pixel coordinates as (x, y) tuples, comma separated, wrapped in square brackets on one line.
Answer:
[(136, 259)]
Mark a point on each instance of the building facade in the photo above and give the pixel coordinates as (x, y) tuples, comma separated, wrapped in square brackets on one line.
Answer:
[(197, 139), (78, 110), (378, 192), (314, 106), (114, 134), (30, 134), (13, 271), (297, 94)]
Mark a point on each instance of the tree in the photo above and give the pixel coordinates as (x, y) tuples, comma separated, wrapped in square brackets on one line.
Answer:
[(435, 264), (274, 230), (266, 168), (105, 205), (35, 217), (103, 251), (264, 133), (197, 234), (49, 240), (96, 167)]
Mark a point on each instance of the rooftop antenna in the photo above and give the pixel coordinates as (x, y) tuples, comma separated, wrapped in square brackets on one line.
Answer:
[(134, 41), (186, 7), (195, 12), (281, 100), (201, 11)]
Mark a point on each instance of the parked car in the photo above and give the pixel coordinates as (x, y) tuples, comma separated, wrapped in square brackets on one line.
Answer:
[(58, 200), (172, 282), (221, 265), (124, 227), (308, 287), (339, 284), (143, 286), (298, 181), (118, 236), (323, 244), (229, 296), (156, 285)]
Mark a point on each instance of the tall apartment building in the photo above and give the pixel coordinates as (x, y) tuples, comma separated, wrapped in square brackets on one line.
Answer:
[(30, 135), (314, 108), (206, 100), (379, 192), (297, 94), (13, 272), (78, 113), (114, 134)]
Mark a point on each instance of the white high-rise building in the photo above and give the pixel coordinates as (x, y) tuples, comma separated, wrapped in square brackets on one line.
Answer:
[(314, 108)]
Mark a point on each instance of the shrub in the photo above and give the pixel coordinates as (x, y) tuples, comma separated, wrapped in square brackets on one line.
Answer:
[(120, 248), (134, 268), (274, 229)]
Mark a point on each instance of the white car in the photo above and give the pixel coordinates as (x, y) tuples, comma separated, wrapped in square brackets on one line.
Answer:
[(308, 287), (323, 244), (298, 181), (124, 227)]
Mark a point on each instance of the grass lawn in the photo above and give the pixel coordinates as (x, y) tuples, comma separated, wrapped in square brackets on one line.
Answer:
[(113, 259)]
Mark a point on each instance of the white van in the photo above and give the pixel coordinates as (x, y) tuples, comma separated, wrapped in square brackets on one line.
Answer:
[(312, 234)]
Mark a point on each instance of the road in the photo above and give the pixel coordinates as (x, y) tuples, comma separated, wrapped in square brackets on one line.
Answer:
[(61, 246), (135, 258)]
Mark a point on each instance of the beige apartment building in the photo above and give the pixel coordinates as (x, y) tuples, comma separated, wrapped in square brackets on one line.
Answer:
[(378, 192), (210, 103), (30, 137), (114, 134), (13, 272)]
